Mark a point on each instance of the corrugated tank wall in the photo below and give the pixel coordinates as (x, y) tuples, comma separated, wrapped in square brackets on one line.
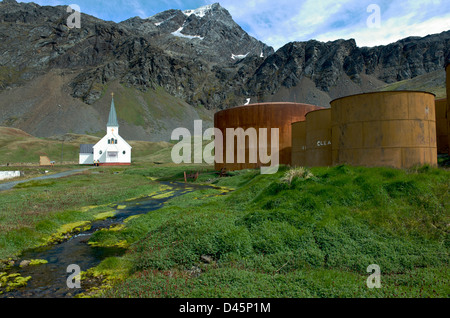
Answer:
[(447, 70), (298, 144), (441, 126), (263, 115), (396, 129), (318, 138)]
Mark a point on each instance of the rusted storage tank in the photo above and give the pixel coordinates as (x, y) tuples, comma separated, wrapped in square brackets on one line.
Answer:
[(396, 129), (298, 144), (447, 70), (441, 126), (318, 138), (262, 115)]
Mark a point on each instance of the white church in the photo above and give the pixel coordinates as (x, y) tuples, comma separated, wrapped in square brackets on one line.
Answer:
[(110, 150)]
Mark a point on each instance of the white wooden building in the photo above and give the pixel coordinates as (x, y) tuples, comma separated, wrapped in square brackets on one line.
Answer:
[(86, 154), (112, 149)]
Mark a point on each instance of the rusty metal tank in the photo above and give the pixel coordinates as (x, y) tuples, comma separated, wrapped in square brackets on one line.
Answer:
[(298, 144), (262, 115), (441, 126), (396, 129), (318, 138), (447, 70)]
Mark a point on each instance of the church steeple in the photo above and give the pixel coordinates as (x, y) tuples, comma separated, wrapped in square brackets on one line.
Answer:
[(112, 119)]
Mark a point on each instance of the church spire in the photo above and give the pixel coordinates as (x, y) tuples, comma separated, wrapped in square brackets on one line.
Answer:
[(112, 120)]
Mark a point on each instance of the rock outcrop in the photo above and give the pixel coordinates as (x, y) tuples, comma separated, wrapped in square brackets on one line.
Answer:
[(200, 57)]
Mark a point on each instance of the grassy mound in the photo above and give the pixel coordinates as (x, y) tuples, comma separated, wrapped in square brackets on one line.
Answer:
[(296, 234)]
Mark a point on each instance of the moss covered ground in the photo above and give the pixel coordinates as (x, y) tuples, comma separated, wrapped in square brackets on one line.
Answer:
[(293, 235), (298, 233)]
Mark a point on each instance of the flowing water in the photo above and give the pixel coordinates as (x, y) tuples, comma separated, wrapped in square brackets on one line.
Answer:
[(50, 279)]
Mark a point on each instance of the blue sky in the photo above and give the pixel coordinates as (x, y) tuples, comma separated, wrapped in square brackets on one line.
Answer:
[(279, 22)]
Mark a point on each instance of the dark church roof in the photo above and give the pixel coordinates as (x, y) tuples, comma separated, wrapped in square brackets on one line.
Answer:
[(87, 148)]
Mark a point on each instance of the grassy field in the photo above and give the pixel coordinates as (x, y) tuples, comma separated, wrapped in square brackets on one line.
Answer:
[(18, 147), (287, 235), (34, 210), (311, 237), (297, 233)]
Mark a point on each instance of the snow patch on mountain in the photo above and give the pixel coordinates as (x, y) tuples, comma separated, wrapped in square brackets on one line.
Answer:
[(200, 12), (181, 35), (239, 57)]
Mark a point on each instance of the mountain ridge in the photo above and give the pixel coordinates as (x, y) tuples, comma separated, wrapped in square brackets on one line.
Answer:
[(200, 59)]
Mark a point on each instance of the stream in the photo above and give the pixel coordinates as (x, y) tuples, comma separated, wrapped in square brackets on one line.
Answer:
[(50, 279)]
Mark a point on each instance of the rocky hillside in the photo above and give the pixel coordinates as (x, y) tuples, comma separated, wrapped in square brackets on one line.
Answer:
[(174, 67), (339, 68)]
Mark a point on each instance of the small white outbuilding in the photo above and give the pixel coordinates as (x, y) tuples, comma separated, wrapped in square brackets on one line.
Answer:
[(112, 149)]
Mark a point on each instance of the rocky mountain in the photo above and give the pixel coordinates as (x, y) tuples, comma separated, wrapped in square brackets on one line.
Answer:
[(174, 67), (340, 68), (208, 33)]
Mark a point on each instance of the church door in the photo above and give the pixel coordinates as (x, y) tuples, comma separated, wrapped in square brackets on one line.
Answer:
[(112, 156)]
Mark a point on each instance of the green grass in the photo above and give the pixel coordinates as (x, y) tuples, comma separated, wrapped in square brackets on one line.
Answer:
[(129, 108), (296, 233), (311, 237), (29, 151), (232, 282), (18, 147), (36, 209), (9, 75), (154, 107), (433, 82)]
